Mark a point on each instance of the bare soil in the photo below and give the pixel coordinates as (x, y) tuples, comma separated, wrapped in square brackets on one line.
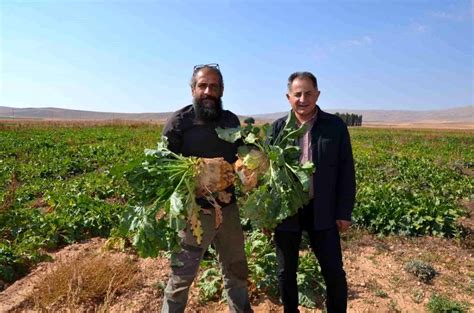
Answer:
[(377, 279)]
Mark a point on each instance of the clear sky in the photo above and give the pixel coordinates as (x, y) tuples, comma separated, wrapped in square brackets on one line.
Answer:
[(137, 56)]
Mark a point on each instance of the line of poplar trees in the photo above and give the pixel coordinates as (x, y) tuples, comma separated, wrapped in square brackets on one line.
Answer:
[(350, 119)]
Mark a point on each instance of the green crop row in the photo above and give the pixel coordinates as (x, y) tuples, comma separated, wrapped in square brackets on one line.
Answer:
[(56, 187), (411, 182)]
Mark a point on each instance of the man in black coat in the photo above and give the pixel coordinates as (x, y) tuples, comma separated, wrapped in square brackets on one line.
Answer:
[(332, 193)]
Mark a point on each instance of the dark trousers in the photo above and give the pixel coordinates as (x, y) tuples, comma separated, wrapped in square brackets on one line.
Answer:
[(327, 248), (228, 240)]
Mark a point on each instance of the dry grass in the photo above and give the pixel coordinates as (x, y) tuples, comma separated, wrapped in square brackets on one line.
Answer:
[(90, 281)]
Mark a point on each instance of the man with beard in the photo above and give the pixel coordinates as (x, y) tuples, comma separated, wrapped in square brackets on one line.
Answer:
[(191, 132)]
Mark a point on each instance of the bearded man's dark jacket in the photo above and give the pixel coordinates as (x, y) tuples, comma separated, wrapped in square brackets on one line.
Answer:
[(334, 179), (190, 137)]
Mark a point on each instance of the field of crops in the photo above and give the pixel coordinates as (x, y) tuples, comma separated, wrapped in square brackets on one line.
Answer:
[(57, 186)]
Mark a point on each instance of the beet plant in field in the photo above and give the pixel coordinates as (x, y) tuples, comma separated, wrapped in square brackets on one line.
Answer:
[(409, 183), (262, 263)]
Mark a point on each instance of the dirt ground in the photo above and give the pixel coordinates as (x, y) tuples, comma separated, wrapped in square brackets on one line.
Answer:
[(375, 266)]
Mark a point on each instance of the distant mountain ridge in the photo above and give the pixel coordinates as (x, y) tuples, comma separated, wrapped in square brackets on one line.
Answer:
[(67, 114), (464, 114)]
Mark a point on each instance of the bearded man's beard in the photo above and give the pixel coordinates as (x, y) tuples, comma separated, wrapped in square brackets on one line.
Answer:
[(206, 112)]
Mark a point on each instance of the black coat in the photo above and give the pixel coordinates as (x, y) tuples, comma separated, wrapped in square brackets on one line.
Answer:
[(334, 179)]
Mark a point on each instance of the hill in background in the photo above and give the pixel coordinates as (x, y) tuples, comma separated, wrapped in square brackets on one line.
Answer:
[(66, 114), (453, 115), (460, 115)]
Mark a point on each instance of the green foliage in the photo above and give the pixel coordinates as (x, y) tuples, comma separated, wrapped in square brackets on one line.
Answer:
[(148, 235), (210, 285), (210, 281), (261, 259), (163, 185), (310, 280), (262, 264), (409, 183), (283, 188), (381, 293), (424, 271), (57, 187), (12, 265), (442, 304)]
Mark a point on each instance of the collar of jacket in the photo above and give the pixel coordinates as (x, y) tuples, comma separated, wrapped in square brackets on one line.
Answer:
[(321, 114)]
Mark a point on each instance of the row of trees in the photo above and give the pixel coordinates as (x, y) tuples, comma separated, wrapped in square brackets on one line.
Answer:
[(350, 119)]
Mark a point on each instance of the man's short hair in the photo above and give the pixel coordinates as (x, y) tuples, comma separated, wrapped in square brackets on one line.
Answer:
[(302, 75), (208, 67)]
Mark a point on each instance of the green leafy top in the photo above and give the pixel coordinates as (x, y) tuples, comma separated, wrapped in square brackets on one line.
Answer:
[(283, 188), (163, 185)]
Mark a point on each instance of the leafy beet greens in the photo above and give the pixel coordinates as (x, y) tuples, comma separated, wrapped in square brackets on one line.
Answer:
[(283, 187)]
